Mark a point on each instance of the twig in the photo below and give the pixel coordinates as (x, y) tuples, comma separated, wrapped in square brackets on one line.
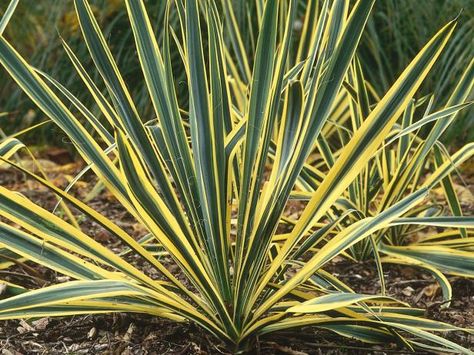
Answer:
[(404, 282)]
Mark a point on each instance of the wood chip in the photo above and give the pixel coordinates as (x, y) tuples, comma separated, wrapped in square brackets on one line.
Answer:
[(408, 291), (24, 327), (128, 335), (92, 333), (40, 324), (3, 288)]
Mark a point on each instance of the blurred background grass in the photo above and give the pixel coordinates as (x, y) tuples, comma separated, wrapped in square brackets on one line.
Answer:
[(35, 31), (395, 33)]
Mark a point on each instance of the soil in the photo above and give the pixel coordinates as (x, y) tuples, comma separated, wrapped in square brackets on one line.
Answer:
[(141, 334)]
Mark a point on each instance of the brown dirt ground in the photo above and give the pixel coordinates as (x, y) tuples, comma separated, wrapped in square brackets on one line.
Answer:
[(140, 334)]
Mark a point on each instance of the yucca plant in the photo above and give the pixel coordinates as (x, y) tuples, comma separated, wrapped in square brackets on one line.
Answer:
[(397, 169), (210, 181)]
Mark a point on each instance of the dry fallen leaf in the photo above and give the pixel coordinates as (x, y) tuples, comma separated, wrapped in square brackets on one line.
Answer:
[(103, 236), (431, 290), (139, 229)]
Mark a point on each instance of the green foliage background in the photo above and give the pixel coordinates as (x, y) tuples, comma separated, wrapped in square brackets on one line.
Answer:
[(396, 31)]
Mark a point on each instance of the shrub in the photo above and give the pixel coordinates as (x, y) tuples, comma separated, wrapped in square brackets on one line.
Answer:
[(210, 182)]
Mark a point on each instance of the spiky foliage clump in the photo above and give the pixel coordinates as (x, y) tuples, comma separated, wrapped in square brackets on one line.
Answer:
[(210, 180)]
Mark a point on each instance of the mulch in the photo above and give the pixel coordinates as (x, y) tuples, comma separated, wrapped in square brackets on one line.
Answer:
[(142, 334)]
